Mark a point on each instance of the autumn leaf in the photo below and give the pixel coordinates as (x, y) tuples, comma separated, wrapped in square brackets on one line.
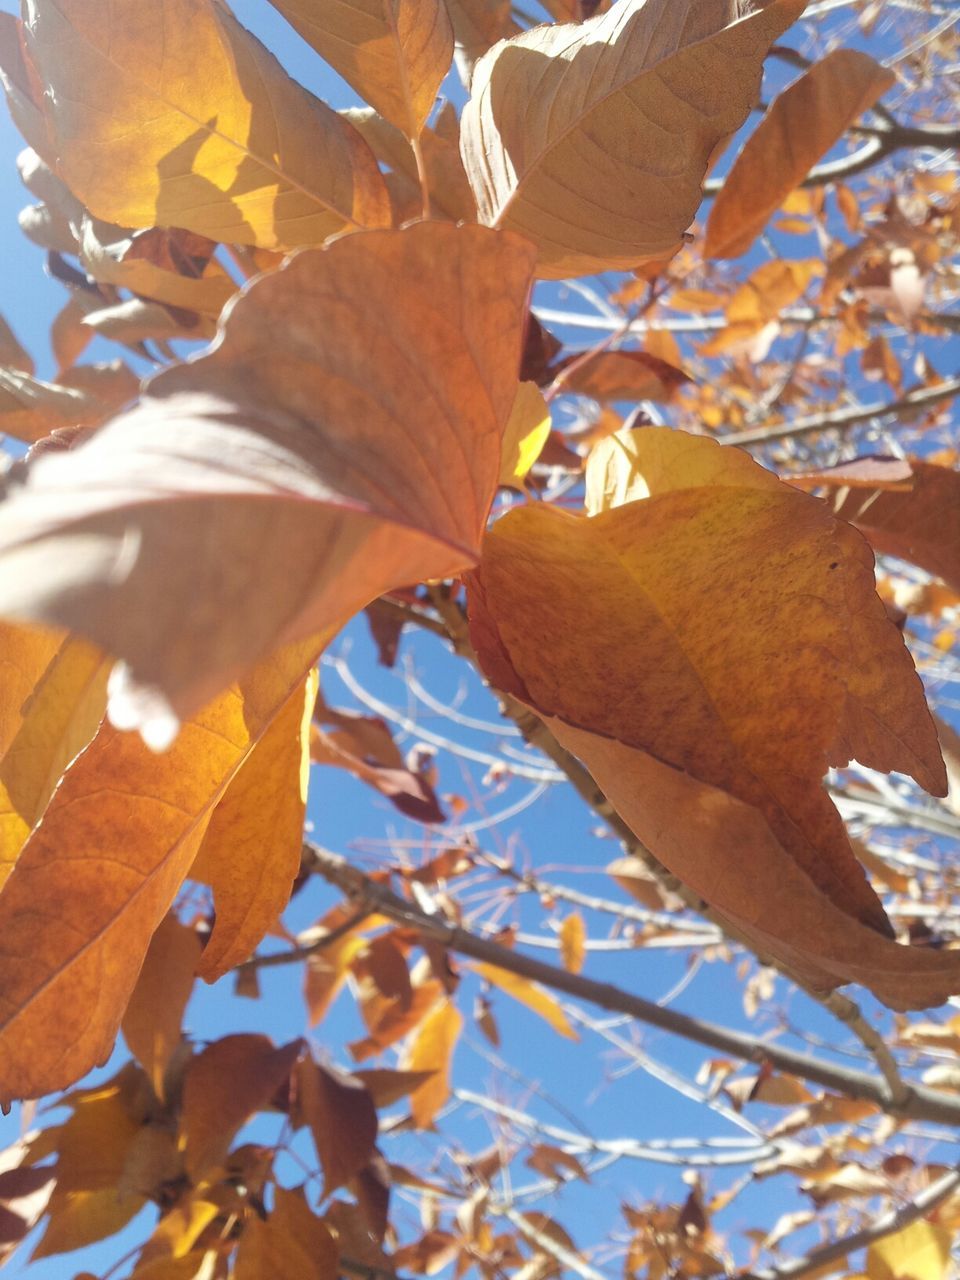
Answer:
[(341, 1117), (152, 1022), (99, 873), (250, 854), (526, 433), (532, 994), (593, 140), (905, 507), (291, 1244), (802, 124), (395, 53), (360, 461), (223, 1087), (618, 375), (573, 939), (431, 1049), (58, 721), (921, 1250), (657, 710), (25, 654), (225, 143)]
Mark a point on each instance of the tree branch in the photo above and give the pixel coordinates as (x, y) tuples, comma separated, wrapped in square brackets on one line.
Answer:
[(918, 1103), (839, 419)]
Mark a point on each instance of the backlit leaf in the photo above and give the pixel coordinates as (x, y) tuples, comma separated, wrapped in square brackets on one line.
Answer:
[(431, 1049), (223, 1087), (525, 435), (291, 1243), (176, 116), (394, 52), (592, 140), (528, 993), (921, 1251), (364, 440), (152, 1021), (619, 375), (25, 654), (250, 854), (573, 937), (97, 876), (823, 679), (801, 126)]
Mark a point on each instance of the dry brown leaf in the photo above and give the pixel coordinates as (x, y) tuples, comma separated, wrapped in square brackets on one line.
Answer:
[(250, 854), (905, 507), (593, 140), (292, 1243), (223, 1087), (153, 1018), (387, 1087), (99, 873), (800, 127), (478, 25), (619, 375), (364, 440), (826, 678), (194, 124), (395, 53), (341, 1117)]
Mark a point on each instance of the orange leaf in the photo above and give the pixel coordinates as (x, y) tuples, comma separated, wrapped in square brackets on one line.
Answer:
[(620, 375), (801, 125), (691, 746), (151, 1024), (359, 461), (573, 938), (223, 1087), (341, 1117), (25, 654), (531, 994), (291, 1243), (250, 854), (906, 508), (99, 873)]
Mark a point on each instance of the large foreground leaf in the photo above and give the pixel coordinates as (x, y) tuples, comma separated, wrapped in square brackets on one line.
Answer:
[(394, 52), (172, 114), (593, 139), (665, 670), (97, 876), (340, 439)]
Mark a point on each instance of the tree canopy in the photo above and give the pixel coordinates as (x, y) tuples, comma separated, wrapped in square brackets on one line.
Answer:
[(602, 356)]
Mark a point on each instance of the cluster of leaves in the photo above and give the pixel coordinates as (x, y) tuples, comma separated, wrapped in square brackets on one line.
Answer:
[(693, 645)]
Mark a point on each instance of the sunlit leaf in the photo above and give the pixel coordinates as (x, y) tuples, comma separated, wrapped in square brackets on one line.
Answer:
[(431, 1049), (525, 435), (593, 140), (573, 939), (364, 441), (290, 1244), (801, 126), (528, 993), (395, 53), (176, 116)]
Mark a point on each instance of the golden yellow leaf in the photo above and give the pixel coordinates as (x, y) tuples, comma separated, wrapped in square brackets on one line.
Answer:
[(152, 1021), (390, 1018), (223, 1087), (531, 994), (342, 1119), (592, 140), (25, 654), (431, 1049), (250, 854), (291, 1243), (395, 53), (99, 873), (692, 746), (525, 435), (573, 937), (176, 116), (360, 393), (921, 1251), (801, 125), (83, 1217), (59, 719)]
